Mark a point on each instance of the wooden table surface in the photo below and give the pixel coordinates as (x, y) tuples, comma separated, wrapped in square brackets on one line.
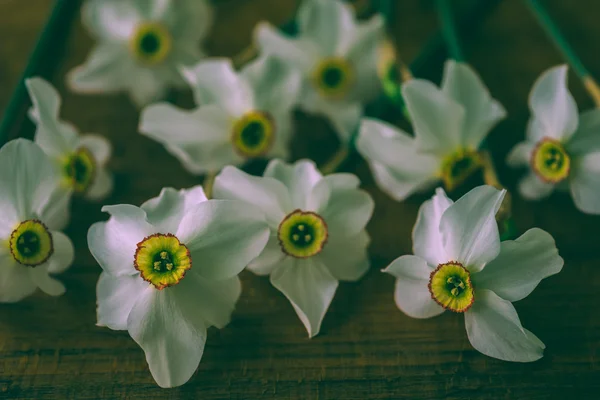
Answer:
[(367, 349)]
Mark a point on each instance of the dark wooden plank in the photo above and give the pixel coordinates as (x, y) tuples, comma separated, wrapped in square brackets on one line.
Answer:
[(50, 347)]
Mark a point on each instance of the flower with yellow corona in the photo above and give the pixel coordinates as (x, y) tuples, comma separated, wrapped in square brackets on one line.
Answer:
[(241, 116), (562, 147), (337, 57), (450, 124), (317, 226), (170, 272), (141, 45), (460, 265), (31, 247), (80, 159)]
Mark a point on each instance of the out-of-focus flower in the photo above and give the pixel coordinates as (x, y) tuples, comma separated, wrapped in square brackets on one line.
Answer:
[(170, 272), (562, 148), (337, 57), (317, 228), (141, 44), (80, 159), (460, 265), (241, 116), (30, 247), (449, 123)]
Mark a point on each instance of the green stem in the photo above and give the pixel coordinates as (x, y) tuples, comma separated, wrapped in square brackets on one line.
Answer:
[(561, 43), (449, 29)]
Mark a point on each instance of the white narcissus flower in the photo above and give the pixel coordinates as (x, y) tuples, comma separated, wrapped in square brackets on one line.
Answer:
[(30, 246), (80, 159), (318, 234), (459, 264), (170, 272), (562, 147), (337, 57), (240, 116), (141, 43), (450, 123)]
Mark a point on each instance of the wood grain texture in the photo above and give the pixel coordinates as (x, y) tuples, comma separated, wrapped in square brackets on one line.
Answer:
[(50, 348)]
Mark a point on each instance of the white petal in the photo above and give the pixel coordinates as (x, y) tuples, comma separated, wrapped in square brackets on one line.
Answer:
[(213, 301), (585, 183), (321, 192), (30, 183), (15, 282), (56, 212), (482, 112), (106, 70), (301, 54), (532, 188), (520, 155), (146, 86), (167, 211), (437, 119), (223, 236), (271, 256), (54, 138), (521, 265), (552, 104), (346, 256), (587, 137), (397, 166), (116, 297), (347, 211), (215, 82), (329, 24), (309, 286), (426, 235), (172, 340), (267, 194), (110, 19), (275, 84), (344, 116), (299, 178), (50, 286), (364, 54), (412, 293), (494, 329), (469, 229), (63, 255), (113, 243), (99, 146), (194, 19), (101, 187)]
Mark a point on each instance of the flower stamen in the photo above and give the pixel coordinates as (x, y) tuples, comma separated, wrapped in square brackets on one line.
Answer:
[(302, 234), (31, 243), (550, 161), (459, 166), (80, 170), (333, 77), (253, 134), (162, 260), (151, 43), (450, 286)]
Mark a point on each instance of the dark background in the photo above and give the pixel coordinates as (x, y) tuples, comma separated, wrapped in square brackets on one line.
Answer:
[(367, 349)]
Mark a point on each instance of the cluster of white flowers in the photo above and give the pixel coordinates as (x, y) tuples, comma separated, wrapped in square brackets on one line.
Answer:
[(170, 267)]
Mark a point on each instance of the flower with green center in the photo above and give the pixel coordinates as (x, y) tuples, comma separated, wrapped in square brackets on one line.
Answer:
[(80, 159), (450, 124), (151, 43), (337, 57), (170, 272), (240, 116), (459, 264), (317, 226), (31, 247), (562, 147), (140, 46)]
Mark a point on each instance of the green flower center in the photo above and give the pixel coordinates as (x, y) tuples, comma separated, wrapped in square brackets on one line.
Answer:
[(550, 161), (459, 166), (31, 243), (333, 77), (450, 286), (80, 170), (302, 234), (162, 260), (253, 134), (151, 43)]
